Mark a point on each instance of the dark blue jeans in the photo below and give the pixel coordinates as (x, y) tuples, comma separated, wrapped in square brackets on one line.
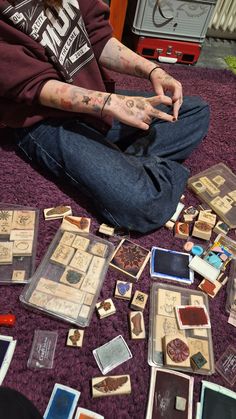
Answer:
[(135, 178)]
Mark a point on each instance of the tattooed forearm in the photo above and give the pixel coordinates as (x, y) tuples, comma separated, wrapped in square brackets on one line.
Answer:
[(56, 94), (116, 56)]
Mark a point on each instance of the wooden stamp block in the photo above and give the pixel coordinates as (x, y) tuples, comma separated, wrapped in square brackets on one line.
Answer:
[(221, 228), (200, 345), (105, 308), (204, 207), (136, 323), (197, 361), (209, 287), (165, 325), (81, 260), (91, 280), (192, 211), (181, 230), (218, 180), (139, 300), (228, 200), (221, 205), (22, 248), (67, 238), (197, 300), (170, 225), (60, 290), (191, 317), (75, 338), (180, 403), (207, 217), (166, 302), (88, 299), (5, 222), (106, 229), (62, 254), (6, 255), (212, 190), (56, 213), (130, 258), (232, 195), (188, 218), (76, 224), (99, 249), (222, 278), (18, 275), (111, 386), (81, 242), (123, 290), (22, 235), (84, 312), (72, 277), (198, 187), (176, 351), (23, 220), (202, 230)]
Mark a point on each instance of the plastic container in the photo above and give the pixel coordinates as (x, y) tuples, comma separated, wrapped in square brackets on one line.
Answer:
[(18, 242), (217, 187), (68, 281), (162, 322)]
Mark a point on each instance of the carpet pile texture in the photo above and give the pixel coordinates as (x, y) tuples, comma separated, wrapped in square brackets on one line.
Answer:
[(22, 184)]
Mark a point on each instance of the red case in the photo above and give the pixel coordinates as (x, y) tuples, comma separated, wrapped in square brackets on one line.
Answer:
[(155, 48)]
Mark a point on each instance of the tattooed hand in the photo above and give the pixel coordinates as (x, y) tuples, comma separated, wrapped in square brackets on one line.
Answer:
[(162, 83), (137, 111)]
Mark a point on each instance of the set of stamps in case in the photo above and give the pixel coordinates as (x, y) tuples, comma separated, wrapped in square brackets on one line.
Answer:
[(70, 281), (16, 234)]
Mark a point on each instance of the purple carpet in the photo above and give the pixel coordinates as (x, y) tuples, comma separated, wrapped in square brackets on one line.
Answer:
[(21, 184)]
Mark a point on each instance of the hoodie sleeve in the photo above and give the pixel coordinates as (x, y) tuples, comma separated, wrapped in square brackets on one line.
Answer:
[(29, 64), (96, 18)]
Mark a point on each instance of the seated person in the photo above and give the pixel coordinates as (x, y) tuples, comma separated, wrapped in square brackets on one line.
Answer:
[(124, 151)]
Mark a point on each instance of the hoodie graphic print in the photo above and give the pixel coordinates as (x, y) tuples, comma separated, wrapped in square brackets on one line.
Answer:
[(60, 31)]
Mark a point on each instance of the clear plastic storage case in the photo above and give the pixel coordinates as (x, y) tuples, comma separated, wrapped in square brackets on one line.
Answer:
[(217, 187), (165, 334), (18, 242), (68, 281)]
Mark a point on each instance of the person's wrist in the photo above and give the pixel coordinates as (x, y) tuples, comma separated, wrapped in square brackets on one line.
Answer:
[(153, 71), (106, 101)]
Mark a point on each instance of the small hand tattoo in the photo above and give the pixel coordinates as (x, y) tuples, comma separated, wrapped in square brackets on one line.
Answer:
[(130, 103), (86, 100)]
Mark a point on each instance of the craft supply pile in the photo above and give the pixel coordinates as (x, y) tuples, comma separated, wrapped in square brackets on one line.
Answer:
[(68, 281)]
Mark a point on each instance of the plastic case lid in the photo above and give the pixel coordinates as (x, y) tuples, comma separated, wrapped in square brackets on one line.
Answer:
[(43, 349), (68, 281)]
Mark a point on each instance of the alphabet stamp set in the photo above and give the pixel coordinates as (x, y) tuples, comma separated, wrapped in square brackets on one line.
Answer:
[(18, 241), (69, 278), (216, 186), (180, 330)]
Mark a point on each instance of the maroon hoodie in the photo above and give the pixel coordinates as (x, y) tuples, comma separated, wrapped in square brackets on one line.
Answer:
[(37, 45)]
